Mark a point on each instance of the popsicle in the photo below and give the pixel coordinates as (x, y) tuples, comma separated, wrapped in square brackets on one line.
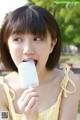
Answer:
[(28, 74)]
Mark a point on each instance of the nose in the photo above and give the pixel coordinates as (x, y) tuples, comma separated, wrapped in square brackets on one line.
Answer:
[(28, 48)]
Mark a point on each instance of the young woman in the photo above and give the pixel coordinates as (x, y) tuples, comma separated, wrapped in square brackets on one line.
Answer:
[(32, 33)]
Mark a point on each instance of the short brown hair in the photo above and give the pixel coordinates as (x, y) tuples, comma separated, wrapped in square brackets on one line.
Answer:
[(34, 20)]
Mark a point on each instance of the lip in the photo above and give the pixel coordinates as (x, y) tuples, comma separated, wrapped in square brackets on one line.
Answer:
[(27, 59)]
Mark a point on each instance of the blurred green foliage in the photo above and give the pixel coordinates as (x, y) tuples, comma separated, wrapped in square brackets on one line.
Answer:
[(67, 15)]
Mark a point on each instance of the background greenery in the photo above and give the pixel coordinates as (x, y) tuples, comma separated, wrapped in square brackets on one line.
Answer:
[(67, 14)]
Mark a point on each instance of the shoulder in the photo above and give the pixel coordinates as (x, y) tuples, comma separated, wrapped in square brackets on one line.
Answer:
[(3, 98), (11, 77), (58, 75), (76, 80), (12, 80), (74, 77), (71, 82), (2, 92), (71, 96)]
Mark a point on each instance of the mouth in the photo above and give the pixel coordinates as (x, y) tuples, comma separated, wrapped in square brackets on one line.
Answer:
[(35, 61)]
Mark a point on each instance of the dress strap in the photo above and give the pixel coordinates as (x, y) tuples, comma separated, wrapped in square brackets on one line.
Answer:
[(65, 82), (10, 96), (8, 90)]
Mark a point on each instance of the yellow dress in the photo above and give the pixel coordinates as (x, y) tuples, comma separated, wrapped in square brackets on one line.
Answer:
[(51, 113)]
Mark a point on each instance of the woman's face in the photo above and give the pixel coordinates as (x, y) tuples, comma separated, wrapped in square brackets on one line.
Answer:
[(24, 47)]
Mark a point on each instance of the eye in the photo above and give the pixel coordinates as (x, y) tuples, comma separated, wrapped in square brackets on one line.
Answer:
[(38, 39), (18, 40)]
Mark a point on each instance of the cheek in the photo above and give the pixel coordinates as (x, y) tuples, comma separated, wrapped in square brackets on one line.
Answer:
[(15, 53), (13, 50), (43, 52)]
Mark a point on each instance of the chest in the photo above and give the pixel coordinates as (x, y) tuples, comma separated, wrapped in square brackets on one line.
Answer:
[(48, 95)]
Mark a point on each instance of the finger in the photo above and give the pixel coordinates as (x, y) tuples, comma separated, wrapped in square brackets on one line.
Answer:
[(29, 96), (35, 107), (31, 103), (26, 100), (26, 92)]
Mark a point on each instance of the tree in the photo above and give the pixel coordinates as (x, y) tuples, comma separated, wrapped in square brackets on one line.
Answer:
[(68, 17), (47, 4), (69, 21)]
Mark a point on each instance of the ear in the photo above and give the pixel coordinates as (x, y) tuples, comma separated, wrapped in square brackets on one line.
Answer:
[(53, 43)]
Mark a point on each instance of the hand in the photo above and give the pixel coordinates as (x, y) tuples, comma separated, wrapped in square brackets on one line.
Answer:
[(28, 104)]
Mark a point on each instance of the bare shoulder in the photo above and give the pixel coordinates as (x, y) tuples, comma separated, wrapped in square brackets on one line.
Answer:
[(59, 74), (75, 78), (71, 101), (11, 75), (11, 78), (2, 91), (12, 81), (3, 98)]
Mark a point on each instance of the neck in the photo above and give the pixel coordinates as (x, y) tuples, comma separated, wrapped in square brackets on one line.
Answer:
[(43, 76)]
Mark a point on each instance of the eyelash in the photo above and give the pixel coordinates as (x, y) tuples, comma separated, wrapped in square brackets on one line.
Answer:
[(38, 39), (18, 40)]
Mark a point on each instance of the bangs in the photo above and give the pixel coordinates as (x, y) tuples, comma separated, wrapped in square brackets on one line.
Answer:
[(28, 21)]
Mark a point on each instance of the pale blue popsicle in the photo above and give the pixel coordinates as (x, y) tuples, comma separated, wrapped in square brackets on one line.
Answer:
[(28, 75)]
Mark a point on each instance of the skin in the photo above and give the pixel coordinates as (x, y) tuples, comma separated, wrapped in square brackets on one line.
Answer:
[(32, 101), (30, 47)]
